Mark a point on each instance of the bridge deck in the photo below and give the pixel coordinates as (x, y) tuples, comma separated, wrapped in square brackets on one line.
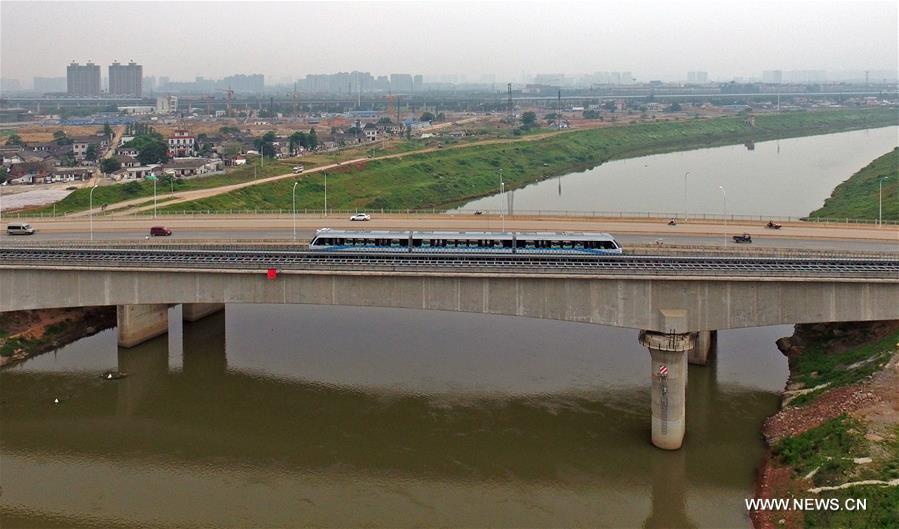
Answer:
[(259, 258)]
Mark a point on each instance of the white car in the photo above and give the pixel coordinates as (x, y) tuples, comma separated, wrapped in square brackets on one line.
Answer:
[(361, 216)]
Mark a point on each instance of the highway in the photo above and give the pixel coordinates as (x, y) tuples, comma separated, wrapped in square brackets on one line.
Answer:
[(263, 258), (628, 231)]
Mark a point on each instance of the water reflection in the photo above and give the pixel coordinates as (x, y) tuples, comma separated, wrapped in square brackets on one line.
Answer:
[(334, 416)]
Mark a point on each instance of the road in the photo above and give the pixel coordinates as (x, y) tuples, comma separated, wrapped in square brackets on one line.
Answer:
[(628, 231)]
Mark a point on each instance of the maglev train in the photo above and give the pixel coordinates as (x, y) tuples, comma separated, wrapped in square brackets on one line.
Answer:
[(583, 243)]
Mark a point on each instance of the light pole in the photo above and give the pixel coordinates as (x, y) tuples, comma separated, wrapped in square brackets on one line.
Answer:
[(685, 194), (326, 195), (90, 209), (154, 196), (293, 194), (724, 191), (502, 210), (880, 202)]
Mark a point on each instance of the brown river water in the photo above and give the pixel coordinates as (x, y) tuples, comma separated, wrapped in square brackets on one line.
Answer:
[(294, 416)]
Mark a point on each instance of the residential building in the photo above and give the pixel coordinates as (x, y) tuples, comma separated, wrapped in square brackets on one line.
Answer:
[(166, 104), (126, 79), (697, 77), (401, 82), (83, 80), (182, 144)]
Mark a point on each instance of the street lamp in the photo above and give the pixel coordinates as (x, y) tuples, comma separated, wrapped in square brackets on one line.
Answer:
[(90, 209), (685, 194), (326, 194), (502, 193), (724, 191), (293, 194), (880, 202), (154, 196)]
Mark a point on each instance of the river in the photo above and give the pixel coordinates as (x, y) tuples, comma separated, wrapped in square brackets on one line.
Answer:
[(780, 178), (287, 416)]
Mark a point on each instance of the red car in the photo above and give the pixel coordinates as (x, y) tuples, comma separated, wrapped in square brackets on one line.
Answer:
[(160, 231)]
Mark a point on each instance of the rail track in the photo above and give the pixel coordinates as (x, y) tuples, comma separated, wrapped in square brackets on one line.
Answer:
[(282, 259)]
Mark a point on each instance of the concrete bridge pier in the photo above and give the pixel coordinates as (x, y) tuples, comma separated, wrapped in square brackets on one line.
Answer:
[(705, 344), (138, 323), (669, 384), (196, 311)]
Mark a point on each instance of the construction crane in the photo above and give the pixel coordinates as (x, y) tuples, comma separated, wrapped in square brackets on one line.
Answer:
[(230, 93)]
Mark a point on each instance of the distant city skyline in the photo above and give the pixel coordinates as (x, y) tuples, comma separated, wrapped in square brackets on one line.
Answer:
[(494, 40)]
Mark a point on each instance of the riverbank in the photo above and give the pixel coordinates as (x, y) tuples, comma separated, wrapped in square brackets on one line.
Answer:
[(859, 196), (449, 177), (836, 437), (26, 333)]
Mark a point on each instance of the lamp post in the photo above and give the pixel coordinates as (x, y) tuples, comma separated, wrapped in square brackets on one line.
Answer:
[(685, 194), (724, 191), (502, 209), (154, 196), (326, 195), (293, 194), (90, 209), (880, 202)]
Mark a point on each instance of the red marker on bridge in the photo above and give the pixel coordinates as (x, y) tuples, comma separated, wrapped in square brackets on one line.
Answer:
[(663, 370), (272, 274)]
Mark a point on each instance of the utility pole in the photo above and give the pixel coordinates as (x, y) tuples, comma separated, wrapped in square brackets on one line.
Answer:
[(509, 89)]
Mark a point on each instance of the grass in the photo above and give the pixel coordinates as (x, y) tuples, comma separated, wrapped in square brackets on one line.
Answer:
[(815, 366), (450, 177), (858, 197), (79, 200), (829, 448)]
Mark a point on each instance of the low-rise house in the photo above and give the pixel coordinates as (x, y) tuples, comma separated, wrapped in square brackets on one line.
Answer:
[(138, 172), (64, 174), (127, 151), (189, 167), (128, 161)]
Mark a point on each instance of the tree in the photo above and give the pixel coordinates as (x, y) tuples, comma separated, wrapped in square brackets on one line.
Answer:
[(427, 116), (110, 165), (441, 117), (15, 139), (551, 117), (609, 105), (91, 152), (384, 121), (61, 139), (107, 130), (228, 131), (265, 144), (153, 152), (296, 140), (4, 174), (528, 120), (591, 114), (675, 107), (312, 140)]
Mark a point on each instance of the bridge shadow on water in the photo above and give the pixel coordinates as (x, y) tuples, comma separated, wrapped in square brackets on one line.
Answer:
[(218, 419)]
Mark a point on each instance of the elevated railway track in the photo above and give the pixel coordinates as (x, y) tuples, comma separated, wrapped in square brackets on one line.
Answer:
[(284, 259)]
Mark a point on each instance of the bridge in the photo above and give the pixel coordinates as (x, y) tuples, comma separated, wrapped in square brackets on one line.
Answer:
[(678, 302)]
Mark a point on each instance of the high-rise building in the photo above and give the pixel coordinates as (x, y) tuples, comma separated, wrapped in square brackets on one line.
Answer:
[(697, 77), (418, 83), (401, 82), (83, 80), (149, 83), (126, 79), (772, 76)]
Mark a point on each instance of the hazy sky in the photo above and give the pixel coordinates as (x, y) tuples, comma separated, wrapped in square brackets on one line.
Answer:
[(652, 39)]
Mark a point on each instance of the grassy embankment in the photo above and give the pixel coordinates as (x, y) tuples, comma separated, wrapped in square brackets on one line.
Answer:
[(858, 197), (846, 430), (820, 365), (451, 176), (828, 454), (79, 200)]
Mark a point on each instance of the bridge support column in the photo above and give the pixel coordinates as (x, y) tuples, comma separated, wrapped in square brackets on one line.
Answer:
[(669, 384), (704, 345), (196, 311), (139, 323)]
